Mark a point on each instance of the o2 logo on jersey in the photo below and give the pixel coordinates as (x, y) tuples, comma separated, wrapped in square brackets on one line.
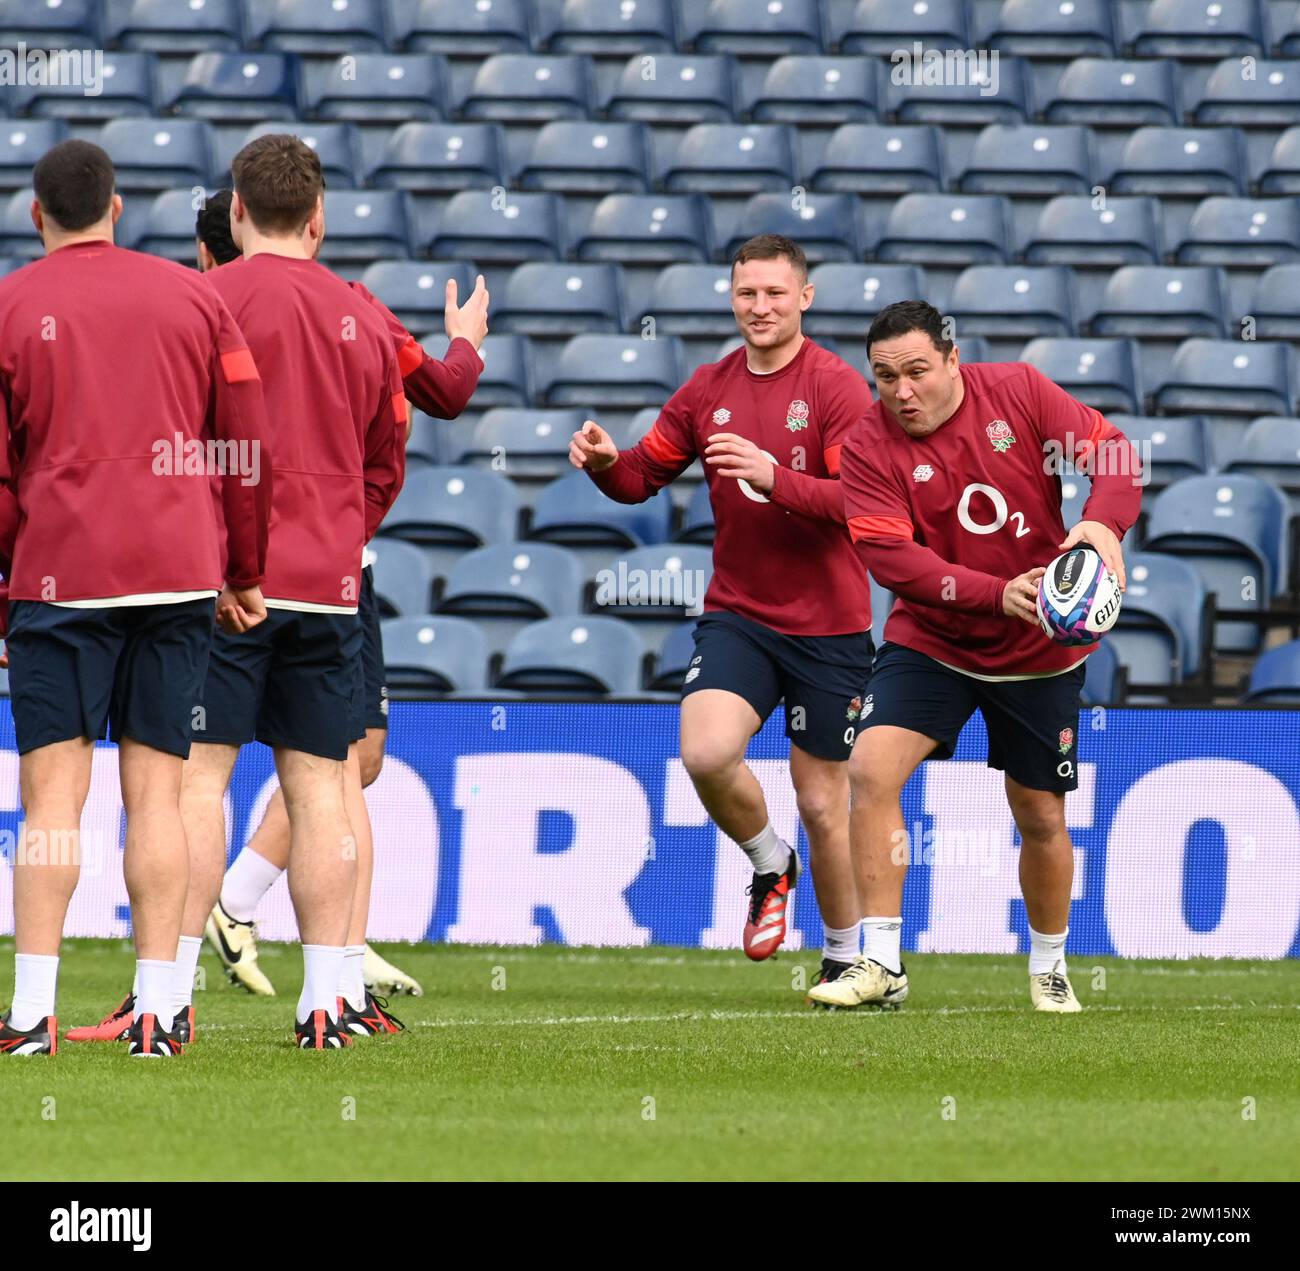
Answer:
[(748, 490), (1000, 513)]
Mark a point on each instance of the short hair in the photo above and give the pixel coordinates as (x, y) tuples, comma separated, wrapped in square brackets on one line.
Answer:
[(905, 317), (279, 179), (772, 247), (212, 228), (73, 183)]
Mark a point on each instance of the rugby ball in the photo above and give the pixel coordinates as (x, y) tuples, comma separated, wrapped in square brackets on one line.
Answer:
[(1078, 598)]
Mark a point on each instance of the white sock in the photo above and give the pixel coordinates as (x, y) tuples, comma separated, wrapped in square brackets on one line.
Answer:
[(322, 970), (245, 883), (352, 983), (841, 943), (187, 961), (154, 996), (36, 980), (1046, 953), (881, 942), (767, 853), (135, 984)]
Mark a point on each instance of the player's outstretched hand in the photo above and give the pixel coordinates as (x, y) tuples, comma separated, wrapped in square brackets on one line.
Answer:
[(240, 609), (1020, 595), (735, 456), (469, 322), (592, 448), (1104, 540)]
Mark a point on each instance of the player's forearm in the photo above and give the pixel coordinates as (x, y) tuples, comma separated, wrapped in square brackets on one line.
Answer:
[(624, 481), (1116, 497), (918, 574), (240, 418), (441, 389), (820, 497)]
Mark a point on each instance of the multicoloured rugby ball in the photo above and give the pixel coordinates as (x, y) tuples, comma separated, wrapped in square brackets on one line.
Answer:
[(1078, 598)]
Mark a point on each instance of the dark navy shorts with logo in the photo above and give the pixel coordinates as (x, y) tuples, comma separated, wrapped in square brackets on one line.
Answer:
[(374, 700), (1033, 725), (294, 681), (821, 678), (122, 671)]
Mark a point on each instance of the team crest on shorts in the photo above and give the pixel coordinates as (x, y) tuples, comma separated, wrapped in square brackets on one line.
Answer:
[(855, 708), (796, 415), (1066, 739), (1000, 435)]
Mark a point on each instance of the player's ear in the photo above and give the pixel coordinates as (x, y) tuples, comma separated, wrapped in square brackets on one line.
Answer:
[(115, 209), (38, 217), (806, 294)]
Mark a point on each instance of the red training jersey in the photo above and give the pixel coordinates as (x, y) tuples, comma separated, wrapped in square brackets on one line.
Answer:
[(946, 521), (782, 560), (122, 375), (335, 395)]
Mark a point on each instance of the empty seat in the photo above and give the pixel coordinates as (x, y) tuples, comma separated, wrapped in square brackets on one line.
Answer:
[(333, 144), (1052, 29), (683, 89), (168, 227), (825, 225), (1163, 301), (463, 30), (847, 297), (879, 27), (363, 225), (17, 237), (1101, 677), (1181, 161), (1270, 98), (1228, 377), (69, 24), (1242, 232), (1159, 634), (416, 290), (817, 90), (434, 654), (157, 154), (647, 229), (1275, 677), (947, 229), (1194, 29), (587, 654), (615, 371), (519, 88), (230, 87), (881, 159), (586, 158), (507, 375), (1073, 230), (22, 143), (1101, 373), (971, 348), (1114, 94), (698, 524), (440, 158), (732, 159), (1281, 173), (1075, 492), (561, 299), (655, 587), (1016, 301), (977, 90), (1275, 305), (162, 26), (607, 27), (523, 443), (692, 300), (573, 511), (403, 578), (460, 507), (1270, 450), (754, 28), (1171, 448), (1029, 160), (126, 87), (674, 658), (491, 230), (309, 27), (375, 87)]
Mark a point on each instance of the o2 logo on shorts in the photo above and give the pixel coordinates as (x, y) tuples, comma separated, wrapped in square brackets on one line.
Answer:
[(1065, 769), (1000, 513)]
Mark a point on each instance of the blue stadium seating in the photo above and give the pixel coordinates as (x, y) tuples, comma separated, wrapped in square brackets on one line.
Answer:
[(1171, 449), (692, 300), (71, 24), (1102, 373), (1192, 29), (1159, 302), (587, 158), (586, 654), (364, 225), (1072, 230), (561, 299), (1281, 174), (1228, 377), (881, 159), (878, 27), (168, 227), (430, 158), (973, 348), (434, 654), (1051, 29), (416, 290), (507, 375), (523, 443), (309, 27), (572, 511), (698, 527), (609, 27), (818, 91), (234, 87), (731, 159), (1115, 94), (480, 226), (615, 371), (1181, 162), (753, 28), (126, 88), (847, 297), (22, 142), (520, 88), (463, 30), (403, 578), (1270, 450), (334, 144), (1158, 634), (674, 658), (1101, 676), (654, 588), (1286, 32), (947, 229), (1275, 678), (648, 229), (1242, 232), (681, 90), (1016, 301), (976, 96), (458, 507), (1075, 491), (17, 237), (1275, 305), (157, 154), (1029, 160), (1269, 99), (163, 26), (825, 225), (375, 87)]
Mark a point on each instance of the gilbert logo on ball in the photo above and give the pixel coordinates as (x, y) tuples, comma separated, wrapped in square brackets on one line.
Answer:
[(1078, 598)]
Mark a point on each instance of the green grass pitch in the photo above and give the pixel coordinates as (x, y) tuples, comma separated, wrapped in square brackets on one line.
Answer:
[(554, 1063)]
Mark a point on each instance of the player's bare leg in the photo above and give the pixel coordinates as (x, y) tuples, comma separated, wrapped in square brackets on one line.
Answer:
[(1046, 872)]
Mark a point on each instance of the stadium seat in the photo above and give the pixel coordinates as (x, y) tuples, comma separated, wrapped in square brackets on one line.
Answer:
[(1228, 377), (731, 159), (1171, 449), (753, 28), (168, 227), (371, 88), (1192, 30), (313, 29), (572, 510), (881, 159), (1269, 99), (879, 27), (163, 26), (648, 229), (1181, 162), (126, 87), (1281, 173), (1275, 677), (682, 90), (1159, 634), (440, 158), (1051, 29), (70, 24), (691, 300), (518, 88), (434, 654), (947, 229), (979, 94), (675, 656), (507, 376), (157, 154), (1114, 94), (587, 158), (334, 144), (561, 299), (1242, 232), (615, 372), (364, 225), (654, 588), (1072, 230), (403, 578), (416, 290), (1075, 491), (610, 27), (847, 297), (698, 525), (585, 654), (1275, 305), (517, 227), (1101, 373), (1270, 450), (1102, 681), (825, 225), (817, 91), (22, 142), (463, 30), (1013, 302), (523, 443), (17, 237), (235, 87), (1029, 161), (1161, 301), (971, 348)]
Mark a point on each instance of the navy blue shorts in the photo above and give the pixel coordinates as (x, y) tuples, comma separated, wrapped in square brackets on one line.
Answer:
[(374, 691), (293, 681), (1033, 725), (821, 678), (136, 670)]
